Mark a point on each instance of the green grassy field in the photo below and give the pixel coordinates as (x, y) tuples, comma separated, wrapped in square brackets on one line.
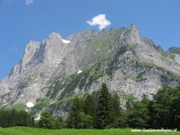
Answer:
[(38, 131)]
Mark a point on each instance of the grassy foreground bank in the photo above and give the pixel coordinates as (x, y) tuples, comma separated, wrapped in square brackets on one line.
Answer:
[(38, 131)]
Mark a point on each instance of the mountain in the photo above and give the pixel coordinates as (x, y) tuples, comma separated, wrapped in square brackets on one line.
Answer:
[(51, 72)]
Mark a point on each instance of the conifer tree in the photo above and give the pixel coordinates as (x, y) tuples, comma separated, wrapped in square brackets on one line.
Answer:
[(4, 118), (32, 122), (161, 106), (88, 122), (59, 123), (139, 116), (89, 106), (102, 116), (13, 117), (117, 106), (114, 110), (175, 109), (75, 115), (47, 121)]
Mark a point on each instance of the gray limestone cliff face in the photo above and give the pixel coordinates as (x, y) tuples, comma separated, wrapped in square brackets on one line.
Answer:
[(131, 35), (51, 51), (14, 76), (74, 53), (30, 75), (56, 69), (29, 52), (137, 71)]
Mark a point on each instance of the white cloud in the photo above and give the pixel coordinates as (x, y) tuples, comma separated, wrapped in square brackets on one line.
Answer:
[(29, 2), (99, 20)]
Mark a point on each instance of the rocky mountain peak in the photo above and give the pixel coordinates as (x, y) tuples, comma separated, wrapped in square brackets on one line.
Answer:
[(104, 32), (174, 50), (94, 32), (159, 49), (133, 27), (132, 34), (51, 50), (30, 50), (113, 31), (55, 36)]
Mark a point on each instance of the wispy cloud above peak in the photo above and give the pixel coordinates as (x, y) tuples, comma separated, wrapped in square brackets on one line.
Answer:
[(29, 2), (99, 20)]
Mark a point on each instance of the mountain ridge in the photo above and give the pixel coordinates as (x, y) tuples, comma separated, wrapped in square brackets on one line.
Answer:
[(54, 69)]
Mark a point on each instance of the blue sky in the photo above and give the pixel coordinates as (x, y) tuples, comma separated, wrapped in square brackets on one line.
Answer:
[(25, 20)]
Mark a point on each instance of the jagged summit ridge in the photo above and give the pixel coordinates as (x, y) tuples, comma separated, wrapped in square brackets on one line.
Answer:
[(57, 68)]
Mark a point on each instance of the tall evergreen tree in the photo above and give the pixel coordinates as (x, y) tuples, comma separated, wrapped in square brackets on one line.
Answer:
[(114, 110), (175, 109), (89, 106), (116, 102), (102, 111), (161, 106), (75, 115)]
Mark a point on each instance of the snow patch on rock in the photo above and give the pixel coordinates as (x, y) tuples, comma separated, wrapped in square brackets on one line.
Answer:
[(26, 110), (79, 71), (29, 104), (65, 41)]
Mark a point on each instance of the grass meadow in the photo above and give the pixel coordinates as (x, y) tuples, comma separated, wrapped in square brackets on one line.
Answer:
[(38, 131)]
